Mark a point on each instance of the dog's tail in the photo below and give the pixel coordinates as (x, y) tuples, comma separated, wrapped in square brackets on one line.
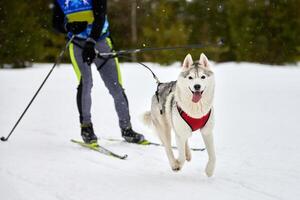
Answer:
[(147, 118)]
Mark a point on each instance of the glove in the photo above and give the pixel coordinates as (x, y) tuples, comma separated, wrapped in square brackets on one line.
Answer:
[(88, 53), (76, 27)]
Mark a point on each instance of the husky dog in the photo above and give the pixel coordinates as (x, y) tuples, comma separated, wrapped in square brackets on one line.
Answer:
[(185, 105)]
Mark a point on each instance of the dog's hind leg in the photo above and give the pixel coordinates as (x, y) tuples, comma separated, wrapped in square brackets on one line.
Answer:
[(188, 154)]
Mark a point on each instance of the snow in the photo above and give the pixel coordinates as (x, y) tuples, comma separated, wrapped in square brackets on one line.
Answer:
[(256, 135)]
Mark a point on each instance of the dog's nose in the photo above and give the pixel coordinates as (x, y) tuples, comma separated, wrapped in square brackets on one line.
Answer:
[(197, 87)]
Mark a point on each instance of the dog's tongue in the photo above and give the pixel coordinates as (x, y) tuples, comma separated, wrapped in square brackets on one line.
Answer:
[(196, 97)]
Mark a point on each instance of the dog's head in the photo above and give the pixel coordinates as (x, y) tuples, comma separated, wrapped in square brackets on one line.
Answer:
[(196, 79)]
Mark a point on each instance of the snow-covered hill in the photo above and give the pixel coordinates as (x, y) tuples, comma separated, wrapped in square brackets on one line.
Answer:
[(257, 138)]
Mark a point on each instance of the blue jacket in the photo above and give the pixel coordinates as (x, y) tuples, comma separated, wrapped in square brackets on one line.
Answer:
[(92, 11)]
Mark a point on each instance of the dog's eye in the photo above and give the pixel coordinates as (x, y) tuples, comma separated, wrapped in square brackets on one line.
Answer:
[(203, 77), (190, 77)]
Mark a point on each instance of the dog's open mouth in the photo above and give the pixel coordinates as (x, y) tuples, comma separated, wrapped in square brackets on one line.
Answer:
[(196, 95)]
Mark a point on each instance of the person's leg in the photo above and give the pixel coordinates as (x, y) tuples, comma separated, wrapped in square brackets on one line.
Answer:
[(84, 101), (111, 76)]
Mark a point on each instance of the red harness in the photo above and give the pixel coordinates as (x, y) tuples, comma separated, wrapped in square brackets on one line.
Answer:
[(194, 123)]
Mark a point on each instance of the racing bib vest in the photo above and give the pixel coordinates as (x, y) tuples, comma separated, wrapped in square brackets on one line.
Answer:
[(81, 10)]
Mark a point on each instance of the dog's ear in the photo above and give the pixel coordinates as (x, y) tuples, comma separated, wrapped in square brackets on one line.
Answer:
[(203, 60), (188, 62)]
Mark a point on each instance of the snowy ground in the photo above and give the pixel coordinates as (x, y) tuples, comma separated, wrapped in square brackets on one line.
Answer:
[(257, 138)]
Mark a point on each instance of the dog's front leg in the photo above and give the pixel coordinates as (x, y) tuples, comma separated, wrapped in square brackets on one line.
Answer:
[(207, 136), (188, 154), (181, 145)]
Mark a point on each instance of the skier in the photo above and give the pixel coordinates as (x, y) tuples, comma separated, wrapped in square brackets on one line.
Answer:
[(87, 19)]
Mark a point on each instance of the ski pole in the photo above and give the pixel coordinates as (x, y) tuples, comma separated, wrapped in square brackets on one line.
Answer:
[(34, 96)]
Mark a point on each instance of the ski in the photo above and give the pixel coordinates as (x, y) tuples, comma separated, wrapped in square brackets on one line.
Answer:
[(100, 149), (146, 142)]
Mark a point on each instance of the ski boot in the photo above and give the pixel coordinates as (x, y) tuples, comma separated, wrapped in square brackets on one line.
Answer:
[(87, 133), (131, 136)]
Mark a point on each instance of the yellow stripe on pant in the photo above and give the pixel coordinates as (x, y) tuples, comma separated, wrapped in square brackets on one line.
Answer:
[(108, 40), (76, 67), (74, 62)]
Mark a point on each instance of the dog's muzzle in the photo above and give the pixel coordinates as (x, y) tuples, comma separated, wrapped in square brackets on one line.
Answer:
[(197, 94)]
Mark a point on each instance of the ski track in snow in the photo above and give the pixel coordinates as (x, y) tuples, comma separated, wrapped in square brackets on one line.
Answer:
[(256, 135)]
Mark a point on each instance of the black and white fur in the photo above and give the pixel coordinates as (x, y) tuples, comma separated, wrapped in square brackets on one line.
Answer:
[(164, 114)]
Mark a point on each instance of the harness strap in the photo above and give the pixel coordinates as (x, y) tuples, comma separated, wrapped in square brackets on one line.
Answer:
[(194, 123), (157, 97)]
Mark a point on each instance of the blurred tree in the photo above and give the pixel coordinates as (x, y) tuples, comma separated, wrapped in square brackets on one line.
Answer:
[(24, 32), (208, 25), (19, 35), (258, 31), (264, 31), (124, 23), (134, 25), (163, 25)]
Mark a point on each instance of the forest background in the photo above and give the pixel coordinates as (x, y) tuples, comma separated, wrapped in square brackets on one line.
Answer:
[(263, 31)]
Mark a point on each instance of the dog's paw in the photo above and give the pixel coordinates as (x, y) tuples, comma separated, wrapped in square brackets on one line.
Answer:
[(176, 166), (210, 167), (188, 156)]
